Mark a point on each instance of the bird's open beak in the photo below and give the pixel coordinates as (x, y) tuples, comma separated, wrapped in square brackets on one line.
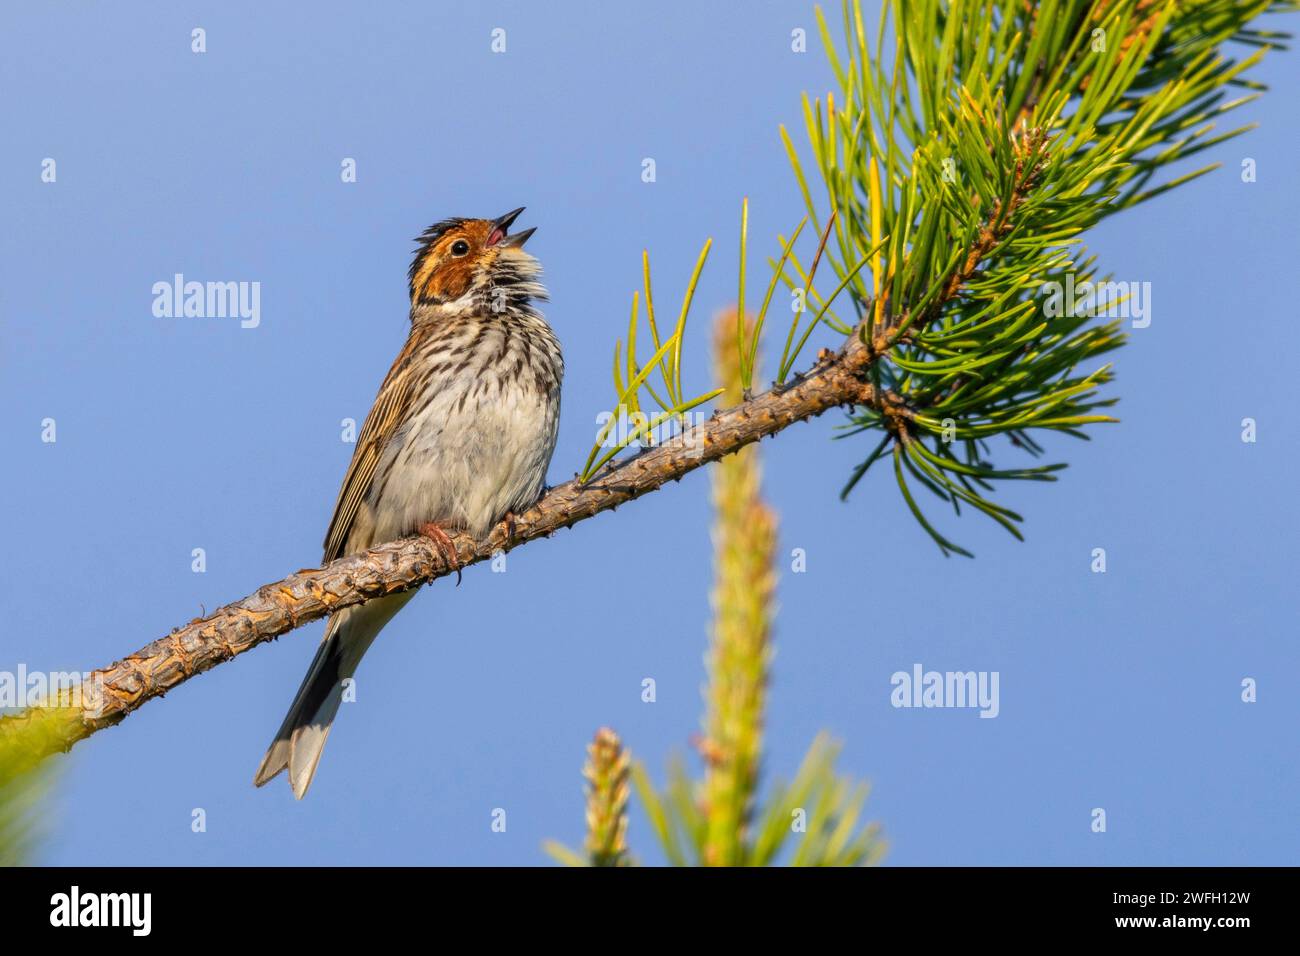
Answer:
[(499, 236)]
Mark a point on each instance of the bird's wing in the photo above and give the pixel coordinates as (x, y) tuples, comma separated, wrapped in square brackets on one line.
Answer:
[(385, 418)]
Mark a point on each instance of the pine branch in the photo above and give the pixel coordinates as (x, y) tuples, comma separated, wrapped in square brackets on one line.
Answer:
[(719, 820), (274, 609), (740, 645), (607, 771), (923, 146)]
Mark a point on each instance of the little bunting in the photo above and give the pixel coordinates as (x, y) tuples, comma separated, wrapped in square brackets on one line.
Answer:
[(459, 438)]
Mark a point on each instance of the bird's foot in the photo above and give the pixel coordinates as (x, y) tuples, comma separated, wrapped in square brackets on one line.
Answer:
[(509, 522), (445, 546)]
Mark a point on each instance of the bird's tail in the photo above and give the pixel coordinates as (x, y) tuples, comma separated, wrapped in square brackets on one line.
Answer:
[(301, 738)]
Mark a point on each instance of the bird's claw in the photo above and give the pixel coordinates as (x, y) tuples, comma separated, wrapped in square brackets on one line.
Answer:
[(445, 546), (509, 522)]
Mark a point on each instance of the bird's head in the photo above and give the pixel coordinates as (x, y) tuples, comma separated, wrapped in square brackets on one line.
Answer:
[(474, 262)]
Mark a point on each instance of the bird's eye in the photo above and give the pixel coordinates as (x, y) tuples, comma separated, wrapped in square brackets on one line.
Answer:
[(459, 248)]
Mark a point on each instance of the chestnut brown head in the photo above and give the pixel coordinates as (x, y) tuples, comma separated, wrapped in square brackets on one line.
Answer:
[(466, 257)]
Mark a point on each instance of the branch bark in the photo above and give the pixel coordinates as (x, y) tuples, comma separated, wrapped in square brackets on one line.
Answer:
[(117, 690)]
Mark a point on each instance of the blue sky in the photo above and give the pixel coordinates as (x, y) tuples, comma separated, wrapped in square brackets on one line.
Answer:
[(1118, 690)]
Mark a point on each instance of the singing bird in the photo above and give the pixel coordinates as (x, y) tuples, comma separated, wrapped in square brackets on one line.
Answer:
[(459, 437)]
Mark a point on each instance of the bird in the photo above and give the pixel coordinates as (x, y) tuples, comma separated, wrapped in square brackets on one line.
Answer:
[(459, 438)]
